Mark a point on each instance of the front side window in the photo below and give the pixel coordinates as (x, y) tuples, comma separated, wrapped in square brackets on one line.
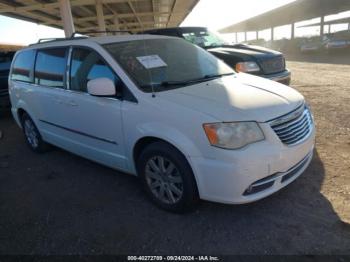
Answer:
[(50, 67), (87, 65), (23, 66), (162, 64)]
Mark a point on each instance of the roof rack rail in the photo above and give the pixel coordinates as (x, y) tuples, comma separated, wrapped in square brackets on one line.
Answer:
[(43, 40), (99, 32), (74, 37)]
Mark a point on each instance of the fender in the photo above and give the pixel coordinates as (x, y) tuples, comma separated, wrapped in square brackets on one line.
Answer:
[(23, 105), (164, 132)]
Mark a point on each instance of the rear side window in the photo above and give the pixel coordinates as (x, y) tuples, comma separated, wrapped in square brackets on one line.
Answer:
[(50, 67), (23, 66), (87, 65)]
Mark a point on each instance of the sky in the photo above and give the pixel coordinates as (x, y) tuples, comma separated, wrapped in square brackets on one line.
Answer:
[(19, 32), (217, 14), (214, 14)]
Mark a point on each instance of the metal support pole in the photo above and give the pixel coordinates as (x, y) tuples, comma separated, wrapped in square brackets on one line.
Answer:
[(322, 26), (116, 23), (67, 18), (272, 34), (100, 16), (292, 31), (257, 35), (245, 36)]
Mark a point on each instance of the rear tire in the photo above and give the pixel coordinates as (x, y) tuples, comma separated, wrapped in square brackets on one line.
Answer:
[(32, 135), (167, 178)]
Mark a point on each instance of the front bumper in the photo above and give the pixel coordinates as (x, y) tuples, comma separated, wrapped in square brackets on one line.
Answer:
[(228, 177), (282, 77)]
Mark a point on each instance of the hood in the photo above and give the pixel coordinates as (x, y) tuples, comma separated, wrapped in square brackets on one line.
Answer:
[(244, 50), (240, 97)]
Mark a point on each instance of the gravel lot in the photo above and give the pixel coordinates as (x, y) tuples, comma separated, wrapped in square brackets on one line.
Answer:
[(59, 203)]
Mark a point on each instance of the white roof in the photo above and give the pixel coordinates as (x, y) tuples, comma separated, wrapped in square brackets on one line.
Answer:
[(100, 40)]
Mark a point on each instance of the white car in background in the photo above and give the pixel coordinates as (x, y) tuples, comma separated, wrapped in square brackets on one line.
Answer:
[(337, 41), (166, 110), (311, 45)]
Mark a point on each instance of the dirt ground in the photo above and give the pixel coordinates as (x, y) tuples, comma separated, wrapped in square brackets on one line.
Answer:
[(58, 203)]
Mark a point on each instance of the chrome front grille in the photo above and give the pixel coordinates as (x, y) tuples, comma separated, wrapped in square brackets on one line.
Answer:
[(273, 65), (293, 127)]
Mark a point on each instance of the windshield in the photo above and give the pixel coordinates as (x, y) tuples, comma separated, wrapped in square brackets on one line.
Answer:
[(204, 38), (164, 64)]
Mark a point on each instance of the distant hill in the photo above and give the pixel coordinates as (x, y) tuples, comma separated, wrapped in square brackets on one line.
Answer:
[(7, 47)]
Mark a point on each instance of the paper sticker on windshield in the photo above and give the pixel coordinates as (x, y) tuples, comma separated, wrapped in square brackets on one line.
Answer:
[(151, 61)]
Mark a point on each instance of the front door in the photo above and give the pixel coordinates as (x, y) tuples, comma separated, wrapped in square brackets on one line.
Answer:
[(87, 125)]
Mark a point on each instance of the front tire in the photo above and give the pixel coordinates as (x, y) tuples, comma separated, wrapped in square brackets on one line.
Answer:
[(32, 135), (167, 178)]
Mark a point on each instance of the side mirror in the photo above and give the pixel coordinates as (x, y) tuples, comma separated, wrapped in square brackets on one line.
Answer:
[(101, 87)]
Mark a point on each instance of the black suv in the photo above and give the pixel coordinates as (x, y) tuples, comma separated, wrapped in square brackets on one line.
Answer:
[(5, 64), (250, 59)]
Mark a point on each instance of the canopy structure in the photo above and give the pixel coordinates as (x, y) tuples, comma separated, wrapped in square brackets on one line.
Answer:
[(299, 10), (100, 15), (332, 22)]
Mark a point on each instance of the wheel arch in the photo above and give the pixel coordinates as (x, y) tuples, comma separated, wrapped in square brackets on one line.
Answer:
[(143, 142), (19, 110), (20, 113)]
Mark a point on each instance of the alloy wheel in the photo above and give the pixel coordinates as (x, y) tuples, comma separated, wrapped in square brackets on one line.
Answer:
[(31, 133), (164, 180)]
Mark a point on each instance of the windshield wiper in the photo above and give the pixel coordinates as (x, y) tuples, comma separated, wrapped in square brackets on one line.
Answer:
[(192, 81), (209, 77), (166, 84)]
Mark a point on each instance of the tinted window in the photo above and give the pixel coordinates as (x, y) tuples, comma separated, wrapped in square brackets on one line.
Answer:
[(168, 33), (50, 67), (23, 66), (87, 65)]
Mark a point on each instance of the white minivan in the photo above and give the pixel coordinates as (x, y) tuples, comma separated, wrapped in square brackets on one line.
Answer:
[(165, 110)]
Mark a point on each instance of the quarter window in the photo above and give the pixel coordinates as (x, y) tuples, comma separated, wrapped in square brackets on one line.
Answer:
[(23, 66), (87, 65), (50, 67)]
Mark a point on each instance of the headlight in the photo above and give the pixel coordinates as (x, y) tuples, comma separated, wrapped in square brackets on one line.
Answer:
[(233, 135), (247, 67)]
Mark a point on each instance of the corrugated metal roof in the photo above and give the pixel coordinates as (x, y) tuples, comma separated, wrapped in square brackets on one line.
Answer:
[(133, 15), (332, 22), (299, 10)]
